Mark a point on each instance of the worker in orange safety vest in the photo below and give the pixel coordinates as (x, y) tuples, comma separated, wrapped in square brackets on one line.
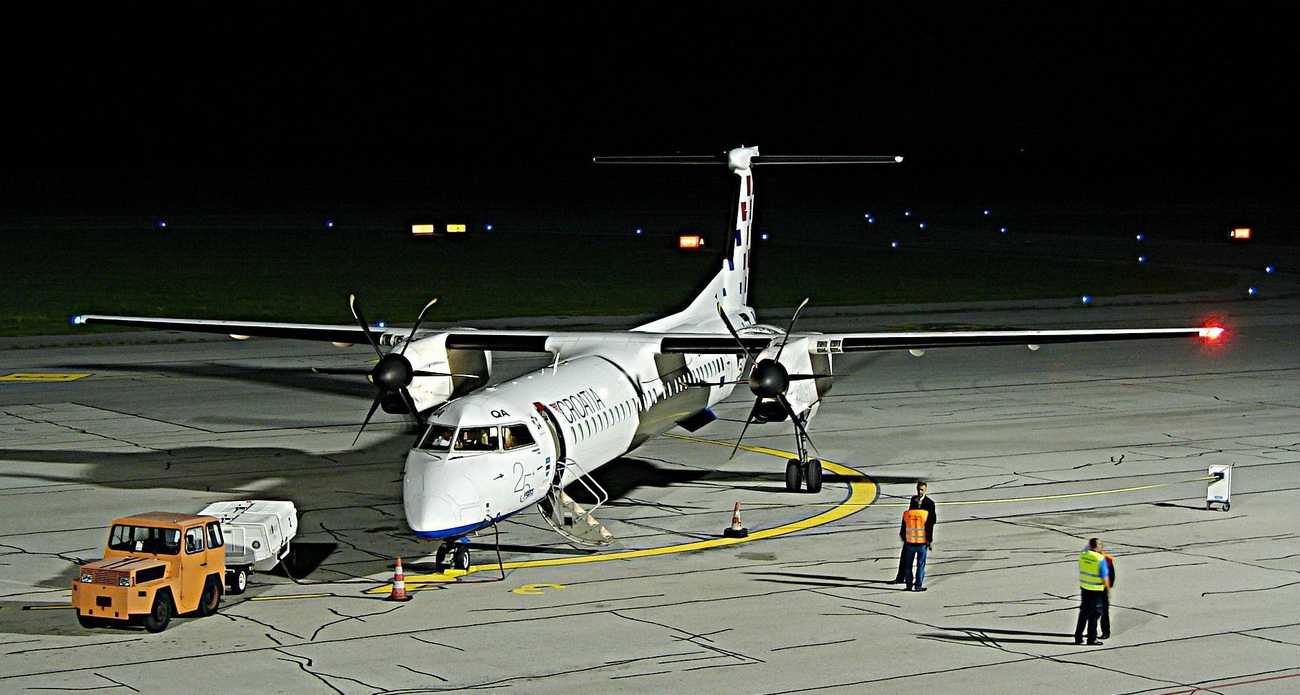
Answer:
[(916, 545)]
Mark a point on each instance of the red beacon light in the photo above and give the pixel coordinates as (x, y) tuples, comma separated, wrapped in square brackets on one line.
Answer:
[(1212, 334)]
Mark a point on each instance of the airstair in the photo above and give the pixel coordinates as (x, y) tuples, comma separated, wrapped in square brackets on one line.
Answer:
[(569, 518)]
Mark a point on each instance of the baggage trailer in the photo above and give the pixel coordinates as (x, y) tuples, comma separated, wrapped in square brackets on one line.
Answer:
[(257, 534)]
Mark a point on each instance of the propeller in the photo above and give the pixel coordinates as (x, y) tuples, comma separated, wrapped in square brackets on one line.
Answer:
[(393, 373), (769, 379)]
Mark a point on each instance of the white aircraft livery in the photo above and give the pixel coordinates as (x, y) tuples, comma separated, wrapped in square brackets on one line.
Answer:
[(490, 450)]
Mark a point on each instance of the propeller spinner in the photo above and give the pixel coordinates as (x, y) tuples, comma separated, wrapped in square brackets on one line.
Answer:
[(393, 373), (770, 380)]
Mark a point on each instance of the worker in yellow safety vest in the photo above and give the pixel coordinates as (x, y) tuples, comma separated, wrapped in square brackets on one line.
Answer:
[(1094, 584), (916, 545)]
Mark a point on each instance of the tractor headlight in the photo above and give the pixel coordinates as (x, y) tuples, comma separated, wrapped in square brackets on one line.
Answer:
[(124, 581), (86, 578)]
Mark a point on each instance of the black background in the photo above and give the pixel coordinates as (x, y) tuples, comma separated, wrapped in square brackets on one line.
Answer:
[(204, 107)]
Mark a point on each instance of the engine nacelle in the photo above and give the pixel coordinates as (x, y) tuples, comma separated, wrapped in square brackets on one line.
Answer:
[(430, 354)]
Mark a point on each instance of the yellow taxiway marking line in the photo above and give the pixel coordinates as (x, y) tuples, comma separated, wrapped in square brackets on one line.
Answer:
[(861, 493), (46, 608), (41, 376)]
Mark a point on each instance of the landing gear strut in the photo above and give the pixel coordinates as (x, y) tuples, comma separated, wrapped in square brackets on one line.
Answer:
[(459, 550), (803, 471)]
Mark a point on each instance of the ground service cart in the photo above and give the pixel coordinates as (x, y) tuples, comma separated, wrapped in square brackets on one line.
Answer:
[(257, 534)]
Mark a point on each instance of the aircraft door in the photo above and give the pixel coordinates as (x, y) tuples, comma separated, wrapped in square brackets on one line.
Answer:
[(558, 449)]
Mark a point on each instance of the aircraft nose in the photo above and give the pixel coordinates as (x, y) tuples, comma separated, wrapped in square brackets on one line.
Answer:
[(438, 502), (430, 514)]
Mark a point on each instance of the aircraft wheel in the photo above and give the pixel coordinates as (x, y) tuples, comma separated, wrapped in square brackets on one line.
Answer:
[(440, 558), (237, 578), (460, 558), (211, 597), (793, 475), (157, 618), (813, 478)]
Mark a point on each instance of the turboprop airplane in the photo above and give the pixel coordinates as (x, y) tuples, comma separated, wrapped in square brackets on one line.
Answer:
[(488, 451)]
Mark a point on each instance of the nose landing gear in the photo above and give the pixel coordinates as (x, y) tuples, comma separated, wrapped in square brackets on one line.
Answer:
[(458, 548)]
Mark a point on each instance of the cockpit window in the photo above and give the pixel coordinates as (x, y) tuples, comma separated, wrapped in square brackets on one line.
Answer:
[(437, 438), (477, 439), (516, 436)]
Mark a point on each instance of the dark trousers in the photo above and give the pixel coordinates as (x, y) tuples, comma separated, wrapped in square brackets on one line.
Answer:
[(1091, 608), (914, 553), (1105, 613)]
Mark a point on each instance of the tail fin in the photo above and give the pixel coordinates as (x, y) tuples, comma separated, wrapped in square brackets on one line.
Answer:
[(730, 287)]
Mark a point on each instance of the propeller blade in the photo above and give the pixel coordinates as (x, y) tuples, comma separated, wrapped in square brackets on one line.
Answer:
[(418, 320), (410, 403), (743, 430), (451, 374), (356, 314), (373, 407), (805, 377), (749, 356), (794, 318), (795, 419)]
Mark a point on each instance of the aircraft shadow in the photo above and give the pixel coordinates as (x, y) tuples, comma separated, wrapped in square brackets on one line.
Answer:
[(817, 580), (983, 635), (622, 475), (296, 378), (204, 468)]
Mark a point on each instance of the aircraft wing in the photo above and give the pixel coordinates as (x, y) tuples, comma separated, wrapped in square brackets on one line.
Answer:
[(831, 343), (351, 334), (703, 343), (346, 334)]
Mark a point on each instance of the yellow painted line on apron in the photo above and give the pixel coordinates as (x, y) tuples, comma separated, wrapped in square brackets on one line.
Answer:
[(47, 608), (41, 376), (862, 491)]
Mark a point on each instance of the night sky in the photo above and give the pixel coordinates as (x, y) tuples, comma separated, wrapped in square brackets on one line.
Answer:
[(204, 107)]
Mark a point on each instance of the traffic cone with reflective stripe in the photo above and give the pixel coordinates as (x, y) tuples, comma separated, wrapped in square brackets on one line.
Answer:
[(399, 584), (735, 530)]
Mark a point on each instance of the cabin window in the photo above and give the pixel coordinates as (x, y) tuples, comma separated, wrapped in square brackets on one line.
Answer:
[(516, 436), (214, 535), (145, 539), (477, 439), (437, 438), (194, 539)]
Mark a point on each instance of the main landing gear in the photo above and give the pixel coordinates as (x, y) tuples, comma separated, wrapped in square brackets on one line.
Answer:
[(803, 471), (458, 548)]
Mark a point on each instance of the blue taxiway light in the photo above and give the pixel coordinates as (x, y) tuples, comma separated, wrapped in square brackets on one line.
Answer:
[(1268, 268), (1085, 299), (1252, 291)]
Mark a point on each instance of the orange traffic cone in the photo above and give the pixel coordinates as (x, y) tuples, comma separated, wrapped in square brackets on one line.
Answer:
[(735, 530), (399, 584)]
